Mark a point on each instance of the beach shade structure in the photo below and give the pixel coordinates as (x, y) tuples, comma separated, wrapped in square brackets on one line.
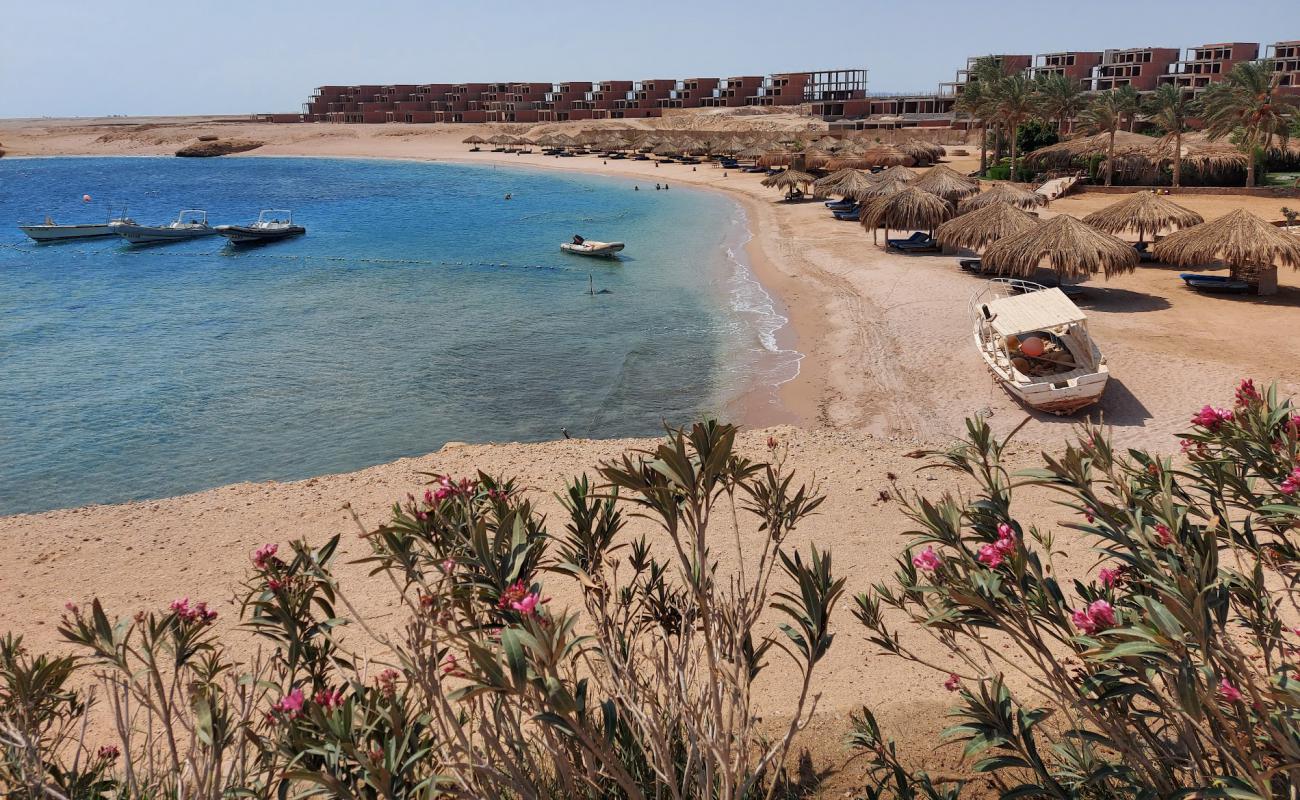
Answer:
[(473, 139), (899, 172), (790, 180), (666, 150), (1075, 250), (843, 182), (1144, 213), (1005, 192), (884, 155), (921, 152), (908, 209), (1250, 247), (500, 140), (750, 153), (947, 183), (984, 226), (775, 158), (877, 188)]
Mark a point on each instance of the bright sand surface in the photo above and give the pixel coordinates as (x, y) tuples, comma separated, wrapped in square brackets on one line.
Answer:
[(889, 364)]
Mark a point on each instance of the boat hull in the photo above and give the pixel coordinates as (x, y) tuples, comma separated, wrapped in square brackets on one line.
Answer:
[(597, 250), (143, 234), (241, 234), (1061, 397), (59, 233)]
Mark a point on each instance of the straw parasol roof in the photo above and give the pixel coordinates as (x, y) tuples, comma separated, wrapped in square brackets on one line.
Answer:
[(473, 139), (899, 172), (666, 149), (1009, 193), (946, 182), (789, 179), (906, 209), (500, 138), (982, 227), (1139, 159), (877, 188), (884, 155), (845, 182), (751, 153), (1239, 239), (1143, 213), (1075, 250)]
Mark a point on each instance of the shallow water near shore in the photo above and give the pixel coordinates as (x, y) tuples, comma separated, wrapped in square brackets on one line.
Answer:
[(420, 308)]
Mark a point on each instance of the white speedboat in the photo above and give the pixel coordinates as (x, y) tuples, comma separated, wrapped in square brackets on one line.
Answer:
[(272, 225), (49, 231), (1036, 343), (191, 223), (590, 248)]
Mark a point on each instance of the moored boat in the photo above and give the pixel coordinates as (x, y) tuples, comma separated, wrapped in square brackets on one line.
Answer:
[(191, 223), (1036, 343), (50, 231), (272, 225), (590, 248)]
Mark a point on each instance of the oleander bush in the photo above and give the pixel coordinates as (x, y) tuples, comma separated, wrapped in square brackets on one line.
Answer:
[(1174, 673), (482, 688)]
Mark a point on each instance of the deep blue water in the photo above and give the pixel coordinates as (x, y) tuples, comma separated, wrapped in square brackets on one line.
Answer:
[(421, 307)]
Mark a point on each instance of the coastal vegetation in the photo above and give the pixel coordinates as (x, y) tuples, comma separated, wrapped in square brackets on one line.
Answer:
[(1169, 671)]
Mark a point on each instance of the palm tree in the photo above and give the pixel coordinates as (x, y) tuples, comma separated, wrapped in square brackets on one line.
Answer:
[(1014, 103), (974, 100), (1106, 113), (1168, 106), (1061, 99), (1247, 103)]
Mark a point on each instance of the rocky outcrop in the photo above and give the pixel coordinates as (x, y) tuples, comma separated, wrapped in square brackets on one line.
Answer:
[(219, 147)]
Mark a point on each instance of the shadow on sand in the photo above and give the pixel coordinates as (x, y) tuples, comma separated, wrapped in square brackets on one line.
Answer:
[(1121, 300), (1118, 408)]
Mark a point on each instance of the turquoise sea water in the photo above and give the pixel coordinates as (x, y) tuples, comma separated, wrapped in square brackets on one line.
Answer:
[(421, 307)]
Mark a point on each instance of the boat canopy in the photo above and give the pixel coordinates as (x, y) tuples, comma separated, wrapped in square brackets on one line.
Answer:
[(1034, 311)]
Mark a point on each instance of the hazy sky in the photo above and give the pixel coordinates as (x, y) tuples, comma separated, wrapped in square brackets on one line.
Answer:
[(84, 57)]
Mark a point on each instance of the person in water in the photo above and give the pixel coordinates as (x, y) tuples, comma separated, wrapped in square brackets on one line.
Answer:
[(507, 195), (578, 239)]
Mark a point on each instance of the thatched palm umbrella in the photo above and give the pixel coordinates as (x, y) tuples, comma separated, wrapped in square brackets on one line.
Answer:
[(877, 188), (1246, 244), (906, 209), (789, 180), (884, 155), (1003, 193), (984, 226), (750, 153), (666, 150), (500, 140), (1143, 213), (1075, 250), (775, 158), (844, 182), (899, 172), (947, 183), (473, 139)]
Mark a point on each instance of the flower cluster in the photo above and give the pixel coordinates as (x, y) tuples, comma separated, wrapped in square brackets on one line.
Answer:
[(1098, 616), (265, 556), (518, 597), (927, 560), (328, 699), (290, 706), (1229, 692), (1292, 482), (108, 752), (1110, 578), (1211, 418), (198, 612), (992, 555), (387, 683), (1247, 394)]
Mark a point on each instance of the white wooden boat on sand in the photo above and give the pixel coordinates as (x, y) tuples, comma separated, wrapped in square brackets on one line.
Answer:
[(1036, 343), (191, 223), (590, 248)]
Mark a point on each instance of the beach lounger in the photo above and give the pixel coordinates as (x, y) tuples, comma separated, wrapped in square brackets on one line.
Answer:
[(916, 243), (1144, 253), (841, 205), (972, 265), (848, 215), (1218, 284)]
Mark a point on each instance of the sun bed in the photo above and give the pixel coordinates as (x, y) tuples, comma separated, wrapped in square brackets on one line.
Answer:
[(973, 265), (848, 214), (1144, 253), (916, 243), (1218, 284)]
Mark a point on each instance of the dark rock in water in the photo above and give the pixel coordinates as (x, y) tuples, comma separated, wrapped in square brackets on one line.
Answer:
[(604, 291), (209, 149)]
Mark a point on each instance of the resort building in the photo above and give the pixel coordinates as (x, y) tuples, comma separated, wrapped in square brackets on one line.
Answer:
[(689, 93), (732, 92), (1286, 61), (1139, 67), (1077, 65), (1208, 63), (1010, 64)]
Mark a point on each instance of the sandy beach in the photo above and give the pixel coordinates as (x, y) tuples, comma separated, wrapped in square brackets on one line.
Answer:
[(888, 366)]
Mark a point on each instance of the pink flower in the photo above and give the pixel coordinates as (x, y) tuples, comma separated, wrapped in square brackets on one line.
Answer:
[(290, 705), (528, 605), (387, 683), (448, 566), (1247, 393), (990, 556), (1211, 418), (451, 666), (71, 607), (1101, 613), (1109, 577), (513, 594), (1163, 535), (772, 443), (953, 683), (1097, 616), (264, 554), (196, 613), (1229, 692), (1090, 514), (1292, 482), (927, 560), (328, 699), (108, 752), (274, 584)]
